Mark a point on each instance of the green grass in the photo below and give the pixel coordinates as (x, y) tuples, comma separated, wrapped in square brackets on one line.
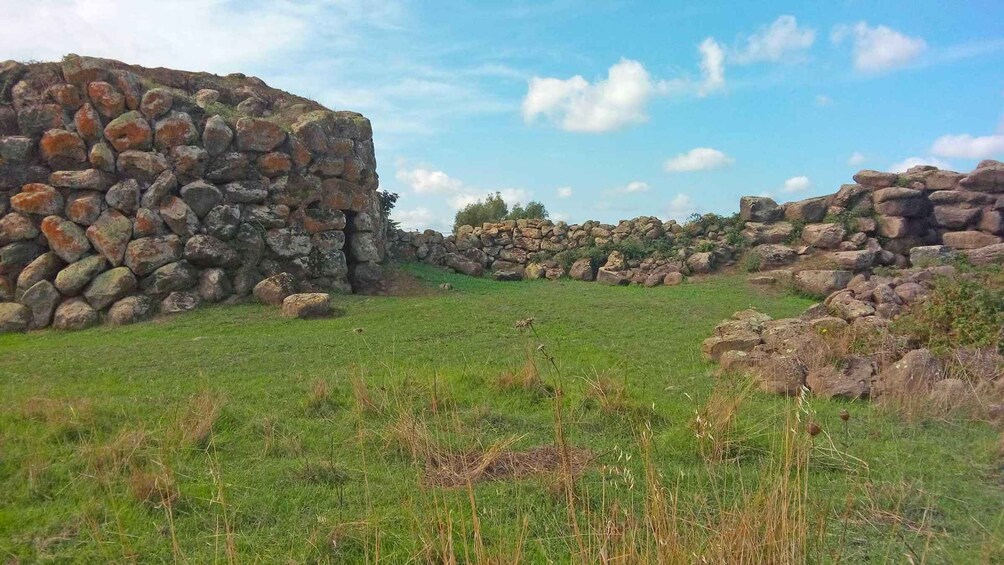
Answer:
[(295, 469)]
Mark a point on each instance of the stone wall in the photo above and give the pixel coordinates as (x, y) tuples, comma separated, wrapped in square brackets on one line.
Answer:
[(880, 219), (126, 191)]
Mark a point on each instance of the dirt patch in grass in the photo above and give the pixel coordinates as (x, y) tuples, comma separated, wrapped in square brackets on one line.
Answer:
[(399, 282), (452, 470)]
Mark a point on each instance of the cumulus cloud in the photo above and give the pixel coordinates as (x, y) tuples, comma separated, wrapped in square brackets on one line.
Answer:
[(609, 104), (966, 146), (429, 182), (633, 187), (797, 184), (856, 158), (879, 48), (565, 192), (712, 67), (698, 159), (415, 219), (424, 181), (905, 164), (680, 207), (782, 40)]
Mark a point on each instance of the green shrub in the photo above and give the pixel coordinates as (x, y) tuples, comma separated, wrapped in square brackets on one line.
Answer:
[(752, 263), (961, 312)]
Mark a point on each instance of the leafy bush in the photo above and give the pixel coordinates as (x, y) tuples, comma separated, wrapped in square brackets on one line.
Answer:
[(494, 209), (630, 248), (752, 263), (961, 312)]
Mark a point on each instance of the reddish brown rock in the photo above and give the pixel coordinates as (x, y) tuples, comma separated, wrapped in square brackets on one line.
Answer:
[(129, 132), (275, 289), (147, 223), (145, 255), (66, 95), (109, 102), (36, 198), (66, 238), (258, 135), (175, 129), (969, 239), (62, 149), (84, 207), (156, 102), (88, 123), (274, 164)]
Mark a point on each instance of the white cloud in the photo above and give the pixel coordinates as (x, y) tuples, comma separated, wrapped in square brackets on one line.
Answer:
[(633, 187), (968, 147), (879, 48), (606, 105), (698, 159), (905, 164), (680, 207), (424, 181), (416, 219), (781, 40), (712, 67), (856, 158), (823, 100), (797, 184), (565, 192)]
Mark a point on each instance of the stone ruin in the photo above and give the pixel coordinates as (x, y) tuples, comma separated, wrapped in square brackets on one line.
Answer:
[(883, 219), (126, 191)]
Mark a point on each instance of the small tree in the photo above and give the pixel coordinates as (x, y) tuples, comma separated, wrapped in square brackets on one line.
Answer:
[(494, 209), (533, 210), (387, 202)]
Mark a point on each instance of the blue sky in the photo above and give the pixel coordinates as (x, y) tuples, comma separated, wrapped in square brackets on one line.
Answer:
[(601, 110)]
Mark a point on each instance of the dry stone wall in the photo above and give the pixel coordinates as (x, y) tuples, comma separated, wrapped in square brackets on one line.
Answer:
[(921, 216), (126, 191)]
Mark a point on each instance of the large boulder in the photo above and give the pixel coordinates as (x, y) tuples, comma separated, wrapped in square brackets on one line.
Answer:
[(860, 260), (207, 251), (772, 256), (875, 179), (14, 317), (988, 177), (130, 310), (989, 255), (42, 299), (275, 289), (611, 278), (74, 278), (759, 209), (700, 263), (38, 199), (463, 265), (808, 211), (65, 238), (582, 270), (757, 233), (147, 254), (823, 236), (851, 379), (110, 286), (178, 302), (307, 305), (822, 283), (74, 314), (969, 239), (915, 373), (110, 235), (781, 374)]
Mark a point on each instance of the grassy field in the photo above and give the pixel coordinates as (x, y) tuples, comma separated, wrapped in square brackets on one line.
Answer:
[(423, 429)]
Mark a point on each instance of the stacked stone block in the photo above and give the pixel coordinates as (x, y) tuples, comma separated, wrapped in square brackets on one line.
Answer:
[(126, 191)]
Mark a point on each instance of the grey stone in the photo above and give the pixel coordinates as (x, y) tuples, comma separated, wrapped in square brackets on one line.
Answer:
[(74, 278), (42, 299), (75, 314)]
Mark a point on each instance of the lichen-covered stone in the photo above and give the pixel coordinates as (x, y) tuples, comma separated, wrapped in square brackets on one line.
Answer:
[(74, 278), (179, 302), (75, 314), (306, 306), (39, 199), (201, 197), (145, 255), (173, 130), (258, 135), (110, 235), (130, 310), (66, 238), (109, 287), (14, 317), (275, 289), (124, 196), (41, 299), (62, 149), (129, 132)]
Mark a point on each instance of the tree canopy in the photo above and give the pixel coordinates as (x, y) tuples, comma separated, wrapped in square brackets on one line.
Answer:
[(494, 209)]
